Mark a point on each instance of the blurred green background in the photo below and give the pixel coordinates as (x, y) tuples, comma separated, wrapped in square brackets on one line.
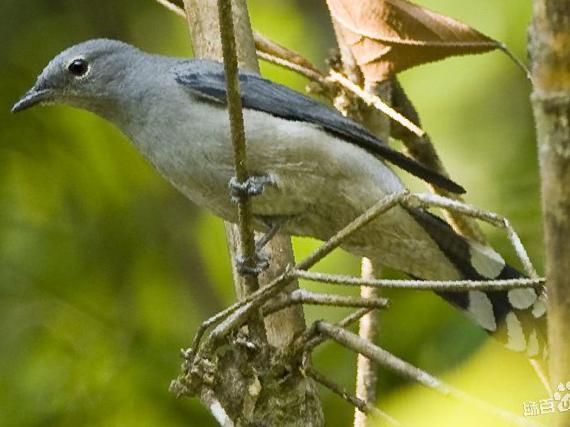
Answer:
[(106, 271)]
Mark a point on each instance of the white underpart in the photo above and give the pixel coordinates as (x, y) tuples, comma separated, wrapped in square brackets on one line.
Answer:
[(481, 308), (532, 347), (485, 260), (517, 340), (522, 298)]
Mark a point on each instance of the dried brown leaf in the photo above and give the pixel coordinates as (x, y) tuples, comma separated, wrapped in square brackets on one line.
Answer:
[(388, 36)]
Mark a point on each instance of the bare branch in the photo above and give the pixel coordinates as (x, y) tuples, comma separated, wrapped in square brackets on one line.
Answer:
[(245, 215), (311, 73), (423, 285), (362, 406), (265, 45), (312, 338), (375, 101), (172, 7), (406, 370), (301, 296), (433, 200), (370, 215), (368, 329), (240, 311)]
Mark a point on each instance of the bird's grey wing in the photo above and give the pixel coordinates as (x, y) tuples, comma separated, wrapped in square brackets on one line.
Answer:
[(207, 79)]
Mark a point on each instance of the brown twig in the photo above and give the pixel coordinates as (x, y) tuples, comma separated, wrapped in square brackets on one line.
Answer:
[(423, 285), (302, 296), (238, 312), (311, 338), (245, 215), (410, 372), (374, 101), (362, 405)]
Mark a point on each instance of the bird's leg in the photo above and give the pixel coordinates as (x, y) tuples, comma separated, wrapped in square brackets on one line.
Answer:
[(261, 258), (251, 187), (244, 269)]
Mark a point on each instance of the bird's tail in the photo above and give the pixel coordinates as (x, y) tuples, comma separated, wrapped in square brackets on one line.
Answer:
[(516, 317)]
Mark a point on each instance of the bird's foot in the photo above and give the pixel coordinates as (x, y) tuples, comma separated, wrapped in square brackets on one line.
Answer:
[(251, 187), (249, 267), (261, 262)]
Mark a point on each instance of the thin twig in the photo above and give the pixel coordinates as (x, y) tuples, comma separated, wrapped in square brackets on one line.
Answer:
[(423, 285), (311, 338), (172, 7), (270, 47), (368, 329), (362, 406), (245, 215), (240, 310), (410, 372), (310, 73), (302, 296), (426, 200), (518, 62), (257, 299), (375, 101), (370, 215)]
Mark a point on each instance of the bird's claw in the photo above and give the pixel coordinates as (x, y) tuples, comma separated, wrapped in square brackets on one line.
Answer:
[(251, 187), (247, 268)]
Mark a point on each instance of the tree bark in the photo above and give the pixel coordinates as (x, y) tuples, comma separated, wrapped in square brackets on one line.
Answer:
[(204, 29), (550, 50), (254, 389)]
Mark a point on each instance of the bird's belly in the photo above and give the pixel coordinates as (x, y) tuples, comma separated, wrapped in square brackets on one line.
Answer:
[(319, 183), (313, 173)]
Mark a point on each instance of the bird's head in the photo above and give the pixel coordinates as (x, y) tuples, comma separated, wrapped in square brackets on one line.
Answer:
[(89, 75)]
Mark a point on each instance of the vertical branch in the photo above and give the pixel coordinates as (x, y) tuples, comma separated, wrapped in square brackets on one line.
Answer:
[(233, 95), (551, 101), (204, 27), (366, 369), (241, 386)]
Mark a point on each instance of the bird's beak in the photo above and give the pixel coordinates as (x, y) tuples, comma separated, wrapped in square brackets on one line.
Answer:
[(33, 97)]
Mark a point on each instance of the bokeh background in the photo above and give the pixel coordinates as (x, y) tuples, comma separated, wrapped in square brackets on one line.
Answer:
[(106, 271)]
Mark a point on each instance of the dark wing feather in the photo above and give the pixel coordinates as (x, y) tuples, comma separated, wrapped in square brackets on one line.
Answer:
[(207, 79)]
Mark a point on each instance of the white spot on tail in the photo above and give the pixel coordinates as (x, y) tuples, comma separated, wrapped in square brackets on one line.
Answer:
[(485, 260), (481, 309), (532, 347), (522, 298), (517, 340), (539, 307)]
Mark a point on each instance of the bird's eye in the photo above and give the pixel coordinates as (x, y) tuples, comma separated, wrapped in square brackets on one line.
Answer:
[(78, 67)]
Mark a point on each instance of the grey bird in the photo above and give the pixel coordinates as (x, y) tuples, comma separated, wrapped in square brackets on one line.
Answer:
[(317, 169)]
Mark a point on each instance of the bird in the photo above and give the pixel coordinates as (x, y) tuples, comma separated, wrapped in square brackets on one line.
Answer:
[(312, 169)]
